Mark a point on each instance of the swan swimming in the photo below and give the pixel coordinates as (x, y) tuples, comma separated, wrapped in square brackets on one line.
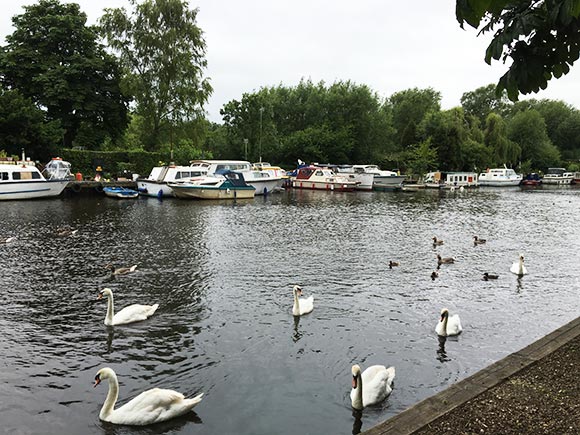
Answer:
[(518, 267), (130, 314), (372, 386), (448, 325), (301, 305), (151, 406)]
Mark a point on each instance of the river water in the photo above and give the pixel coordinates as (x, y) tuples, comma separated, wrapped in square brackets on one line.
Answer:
[(223, 273)]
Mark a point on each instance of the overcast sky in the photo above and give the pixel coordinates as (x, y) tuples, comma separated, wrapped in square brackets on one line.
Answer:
[(389, 46)]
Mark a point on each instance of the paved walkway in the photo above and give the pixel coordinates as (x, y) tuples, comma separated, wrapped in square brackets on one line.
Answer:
[(533, 391)]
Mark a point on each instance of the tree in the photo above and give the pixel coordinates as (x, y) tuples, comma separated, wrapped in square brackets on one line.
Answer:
[(163, 51), (54, 59), (528, 130), (542, 38), (22, 125), (421, 158), (483, 101), (505, 152), (409, 107)]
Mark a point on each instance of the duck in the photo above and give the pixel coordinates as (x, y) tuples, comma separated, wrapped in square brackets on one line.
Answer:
[(6, 240), (393, 264), (518, 267), (372, 386), (488, 276), (130, 314), (478, 241), (437, 242), (120, 270), (149, 407), (445, 260), (434, 275), (64, 232), (301, 305), (448, 325)]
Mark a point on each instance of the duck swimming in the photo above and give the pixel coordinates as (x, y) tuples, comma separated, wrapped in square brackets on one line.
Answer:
[(120, 270), (437, 242), (445, 260), (488, 276), (393, 264), (478, 241)]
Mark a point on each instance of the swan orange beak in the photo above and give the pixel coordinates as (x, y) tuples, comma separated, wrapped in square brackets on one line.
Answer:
[(97, 381), (99, 296), (354, 383)]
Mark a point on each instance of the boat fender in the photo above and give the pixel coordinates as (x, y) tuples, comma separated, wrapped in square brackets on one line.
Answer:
[(265, 190), (160, 194), (76, 188)]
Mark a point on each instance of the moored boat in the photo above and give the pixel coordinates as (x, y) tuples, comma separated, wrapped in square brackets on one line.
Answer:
[(357, 174), (229, 186), (450, 180), (22, 179), (156, 183), (120, 192), (558, 176), (532, 179), (264, 181), (500, 177), (319, 178)]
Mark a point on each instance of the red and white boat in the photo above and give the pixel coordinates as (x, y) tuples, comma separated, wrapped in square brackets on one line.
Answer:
[(318, 178)]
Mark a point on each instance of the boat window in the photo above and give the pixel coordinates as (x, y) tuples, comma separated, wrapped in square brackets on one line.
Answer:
[(3, 175), (319, 173)]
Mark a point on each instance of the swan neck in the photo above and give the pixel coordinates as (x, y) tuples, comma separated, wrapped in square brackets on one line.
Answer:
[(111, 399), (521, 271), (445, 325), (110, 310), (296, 303), (358, 398)]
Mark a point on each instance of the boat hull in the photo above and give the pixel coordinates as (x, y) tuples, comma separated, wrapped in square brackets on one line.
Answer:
[(499, 183), (557, 180), (31, 189), (388, 182), (210, 192), (266, 186), (120, 192), (324, 185), (154, 189)]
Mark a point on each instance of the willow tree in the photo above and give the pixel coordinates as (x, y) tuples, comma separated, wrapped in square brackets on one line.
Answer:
[(163, 51)]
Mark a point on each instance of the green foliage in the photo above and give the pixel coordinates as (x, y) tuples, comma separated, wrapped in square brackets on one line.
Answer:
[(542, 38), (483, 101), (420, 158), (528, 130), (112, 162), (54, 59), (504, 151), (163, 51), (409, 108), (22, 126), (343, 122)]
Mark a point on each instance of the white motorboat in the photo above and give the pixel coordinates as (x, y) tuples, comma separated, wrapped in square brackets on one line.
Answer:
[(264, 181), (22, 179), (499, 177), (558, 176), (382, 180), (319, 178), (356, 173), (230, 185), (156, 183)]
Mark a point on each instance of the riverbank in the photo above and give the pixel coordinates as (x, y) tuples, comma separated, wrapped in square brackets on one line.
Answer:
[(532, 391)]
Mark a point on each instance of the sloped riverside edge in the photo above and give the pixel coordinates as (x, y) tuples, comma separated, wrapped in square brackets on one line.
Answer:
[(430, 409)]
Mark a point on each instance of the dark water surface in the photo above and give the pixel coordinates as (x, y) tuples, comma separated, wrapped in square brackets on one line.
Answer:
[(223, 276)]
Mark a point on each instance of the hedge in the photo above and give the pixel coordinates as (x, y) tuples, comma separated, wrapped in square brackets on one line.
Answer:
[(112, 162)]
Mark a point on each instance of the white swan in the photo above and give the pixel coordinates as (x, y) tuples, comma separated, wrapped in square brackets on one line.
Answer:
[(130, 314), (151, 406), (301, 306), (518, 267), (372, 387), (448, 325)]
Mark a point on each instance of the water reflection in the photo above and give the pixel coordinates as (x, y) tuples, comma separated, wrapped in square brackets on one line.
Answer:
[(297, 335), (357, 424), (441, 352), (171, 426), (519, 285)]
